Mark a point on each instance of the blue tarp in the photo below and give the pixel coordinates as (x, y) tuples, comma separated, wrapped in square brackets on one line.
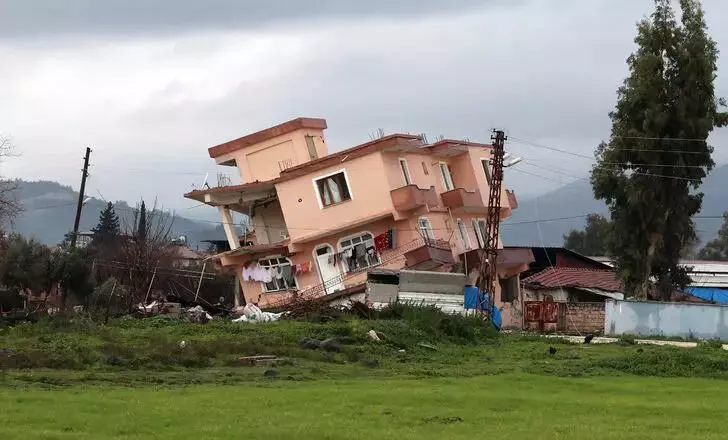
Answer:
[(715, 294), (476, 300)]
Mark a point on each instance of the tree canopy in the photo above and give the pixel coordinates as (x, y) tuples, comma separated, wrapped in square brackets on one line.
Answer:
[(593, 239), (717, 249), (650, 170), (107, 231)]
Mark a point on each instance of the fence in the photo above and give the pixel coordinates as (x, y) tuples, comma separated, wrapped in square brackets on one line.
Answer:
[(687, 320), (562, 317)]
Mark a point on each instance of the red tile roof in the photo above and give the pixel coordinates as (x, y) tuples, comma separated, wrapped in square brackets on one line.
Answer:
[(554, 277)]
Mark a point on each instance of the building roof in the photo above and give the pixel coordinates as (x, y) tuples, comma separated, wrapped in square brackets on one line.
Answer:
[(555, 277), (268, 133)]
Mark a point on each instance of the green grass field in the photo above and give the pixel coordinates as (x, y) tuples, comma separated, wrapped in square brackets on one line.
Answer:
[(432, 376), (496, 407)]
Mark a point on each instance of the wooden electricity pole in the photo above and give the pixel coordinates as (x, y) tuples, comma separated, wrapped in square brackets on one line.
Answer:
[(489, 256), (84, 175)]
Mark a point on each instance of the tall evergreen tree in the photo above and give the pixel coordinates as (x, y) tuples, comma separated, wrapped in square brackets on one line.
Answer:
[(717, 249), (657, 157), (142, 223), (107, 231)]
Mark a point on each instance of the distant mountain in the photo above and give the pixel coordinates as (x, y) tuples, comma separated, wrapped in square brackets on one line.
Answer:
[(546, 217), (49, 210)]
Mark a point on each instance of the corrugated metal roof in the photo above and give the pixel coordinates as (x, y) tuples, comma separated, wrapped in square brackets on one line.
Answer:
[(574, 277)]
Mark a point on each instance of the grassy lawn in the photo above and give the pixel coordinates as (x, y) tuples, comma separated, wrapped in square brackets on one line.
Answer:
[(504, 406), (431, 376)]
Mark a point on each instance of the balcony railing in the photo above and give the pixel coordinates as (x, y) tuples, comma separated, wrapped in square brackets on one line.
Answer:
[(411, 197), (386, 257), (467, 201)]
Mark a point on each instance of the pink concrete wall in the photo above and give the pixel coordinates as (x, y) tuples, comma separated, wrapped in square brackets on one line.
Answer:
[(414, 164), (261, 161), (368, 186)]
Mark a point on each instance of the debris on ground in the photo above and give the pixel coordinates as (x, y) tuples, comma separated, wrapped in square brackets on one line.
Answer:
[(331, 344), (263, 359), (182, 344), (552, 351), (309, 343), (270, 373), (373, 335), (197, 314), (253, 314), (427, 346)]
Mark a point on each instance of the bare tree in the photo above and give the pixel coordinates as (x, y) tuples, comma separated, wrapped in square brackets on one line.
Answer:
[(145, 255), (9, 206)]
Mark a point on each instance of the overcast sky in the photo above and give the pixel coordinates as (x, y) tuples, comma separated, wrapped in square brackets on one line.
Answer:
[(151, 85)]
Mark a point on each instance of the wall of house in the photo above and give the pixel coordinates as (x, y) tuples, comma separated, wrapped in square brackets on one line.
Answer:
[(475, 156), (269, 224), (265, 160), (368, 186), (581, 318), (414, 164)]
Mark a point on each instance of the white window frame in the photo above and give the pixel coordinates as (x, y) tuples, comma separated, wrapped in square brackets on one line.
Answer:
[(479, 234), (485, 163), (315, 180), (359, 235), (464, 237), (425, 228), (404, 167), (446, 180), (264, 287)]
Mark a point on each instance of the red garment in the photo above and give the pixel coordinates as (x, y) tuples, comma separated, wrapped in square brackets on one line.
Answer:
[(383, 241)]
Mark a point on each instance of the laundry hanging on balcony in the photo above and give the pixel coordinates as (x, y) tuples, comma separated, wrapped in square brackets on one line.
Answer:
[(257, 273), (384, 241)]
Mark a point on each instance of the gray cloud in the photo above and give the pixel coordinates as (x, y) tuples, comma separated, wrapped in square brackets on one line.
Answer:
[(33, 18), (545, 71)]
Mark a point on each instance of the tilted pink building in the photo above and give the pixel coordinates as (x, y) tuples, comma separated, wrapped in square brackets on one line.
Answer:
[(321, 219)]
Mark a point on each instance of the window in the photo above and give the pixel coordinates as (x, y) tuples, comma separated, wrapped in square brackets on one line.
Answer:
[(405, 171), (282, 273), (424, 169), (446, 176), (311, 147), (358, 252), (509, 289), (486, 169), (479, 234), (425, 228), (463, 235), (333, 189)]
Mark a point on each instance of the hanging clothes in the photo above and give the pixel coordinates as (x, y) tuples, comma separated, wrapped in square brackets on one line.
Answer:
[(384, 241), (247, 273), (267, 275), (305, 267), (278, 272), (287, 276)]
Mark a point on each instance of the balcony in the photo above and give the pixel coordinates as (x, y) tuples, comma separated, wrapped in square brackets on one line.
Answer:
[(462, 200), (428, 255), (412, 197)]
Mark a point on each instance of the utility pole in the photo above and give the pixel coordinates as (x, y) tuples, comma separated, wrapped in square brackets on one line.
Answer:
[(84, 175), (489, 256)]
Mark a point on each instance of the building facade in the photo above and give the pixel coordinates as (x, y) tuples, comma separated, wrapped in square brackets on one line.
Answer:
[(322, 219)]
